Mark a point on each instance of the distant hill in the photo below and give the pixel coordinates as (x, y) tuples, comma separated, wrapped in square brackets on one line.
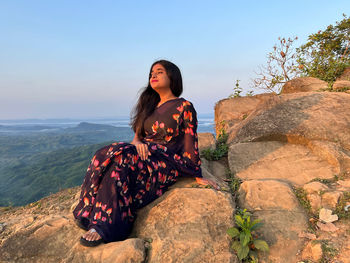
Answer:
[(45, 173)]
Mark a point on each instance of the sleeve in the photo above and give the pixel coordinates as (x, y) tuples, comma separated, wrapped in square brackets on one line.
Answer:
[(190, 151)]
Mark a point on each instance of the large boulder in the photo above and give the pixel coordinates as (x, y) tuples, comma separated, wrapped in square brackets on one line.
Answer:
[(304, 84), (319, 122), (188, 225), (229, 112), (276, 205)]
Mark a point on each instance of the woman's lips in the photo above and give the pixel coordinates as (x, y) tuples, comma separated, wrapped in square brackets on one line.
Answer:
[(154, 80)]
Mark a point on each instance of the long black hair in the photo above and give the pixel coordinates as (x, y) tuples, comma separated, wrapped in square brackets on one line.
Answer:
[(149, 98)]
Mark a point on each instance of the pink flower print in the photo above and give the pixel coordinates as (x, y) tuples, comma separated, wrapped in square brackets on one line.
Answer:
[(115, 175), (140, 165), (106, 162), (180, 108), (104, 207), (176, 116), (186, 154), (104, 219), (85, 214), (86, 201), (155, 126), (170, 130), (96, 163), (109, 211), (161, 125), (188, 115), (159, 192)]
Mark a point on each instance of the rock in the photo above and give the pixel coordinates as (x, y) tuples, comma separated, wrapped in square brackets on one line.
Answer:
[(194, 234), (131, 250), (218, 169), (315, 187), (283, 218), (345, 75), (298, 118), (327, 227), (341, 85), (344, 183), (312, 251), (304, 84), (326, 216), (229, 112), (206, 140), (308, 235), (292, 163), (330, 199), (315, 202), (267, 195)]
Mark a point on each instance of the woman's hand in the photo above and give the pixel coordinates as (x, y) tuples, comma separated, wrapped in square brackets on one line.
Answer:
[(203, 181), (142, 149)]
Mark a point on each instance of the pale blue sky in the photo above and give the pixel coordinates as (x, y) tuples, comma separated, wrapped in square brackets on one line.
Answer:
[(90, 58)]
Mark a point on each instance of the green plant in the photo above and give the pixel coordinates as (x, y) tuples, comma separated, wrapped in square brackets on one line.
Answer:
[(326, 54), (237, 90), (234, 183), (301, 195), (220, 150), (340, 208), (244, 242), (328, 251)]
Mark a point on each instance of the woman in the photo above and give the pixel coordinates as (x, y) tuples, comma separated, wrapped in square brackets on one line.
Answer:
[(123, 177)]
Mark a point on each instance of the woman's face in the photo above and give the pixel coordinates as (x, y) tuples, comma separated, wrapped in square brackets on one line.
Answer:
[(159, 79)]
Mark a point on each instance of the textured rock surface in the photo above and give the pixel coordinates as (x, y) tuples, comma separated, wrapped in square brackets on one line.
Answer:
[(340, 85), (230, 112), (206, 140), (304, 84), (312, 251), (345, 75), (188, 225), (283, 218), (278, 160)]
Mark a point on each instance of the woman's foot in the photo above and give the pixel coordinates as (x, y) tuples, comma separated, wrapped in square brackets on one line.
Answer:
[(91, 238)]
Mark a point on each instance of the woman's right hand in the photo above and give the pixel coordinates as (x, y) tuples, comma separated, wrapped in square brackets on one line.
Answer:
[(142, 150)]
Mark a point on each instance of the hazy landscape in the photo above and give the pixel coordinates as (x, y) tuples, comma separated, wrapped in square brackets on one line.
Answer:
[(41, 157)]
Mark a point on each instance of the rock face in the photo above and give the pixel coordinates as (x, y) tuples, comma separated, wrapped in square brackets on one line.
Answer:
[(189, 231), (319, 122), (281, 142), (341, 85), (283, 218), (345, 75), (187, 224), (304, 84)]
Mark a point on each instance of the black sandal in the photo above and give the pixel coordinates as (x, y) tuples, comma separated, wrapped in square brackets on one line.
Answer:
[(92, 243)]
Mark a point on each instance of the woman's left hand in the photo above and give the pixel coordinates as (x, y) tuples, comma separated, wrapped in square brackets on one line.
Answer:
[(204, 181)]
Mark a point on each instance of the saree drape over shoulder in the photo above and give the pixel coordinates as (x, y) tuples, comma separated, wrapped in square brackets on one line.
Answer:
[(118, 182)]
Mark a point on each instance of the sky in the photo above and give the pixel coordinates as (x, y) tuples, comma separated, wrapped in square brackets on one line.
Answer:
[(90, 59)]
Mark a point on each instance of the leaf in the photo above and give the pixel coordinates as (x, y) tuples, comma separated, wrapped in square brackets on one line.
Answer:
[(255, 226), (232, 232), (239, 220), (244, 238), (235, 246), (253, 255), (242, 252), (261, 245)]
